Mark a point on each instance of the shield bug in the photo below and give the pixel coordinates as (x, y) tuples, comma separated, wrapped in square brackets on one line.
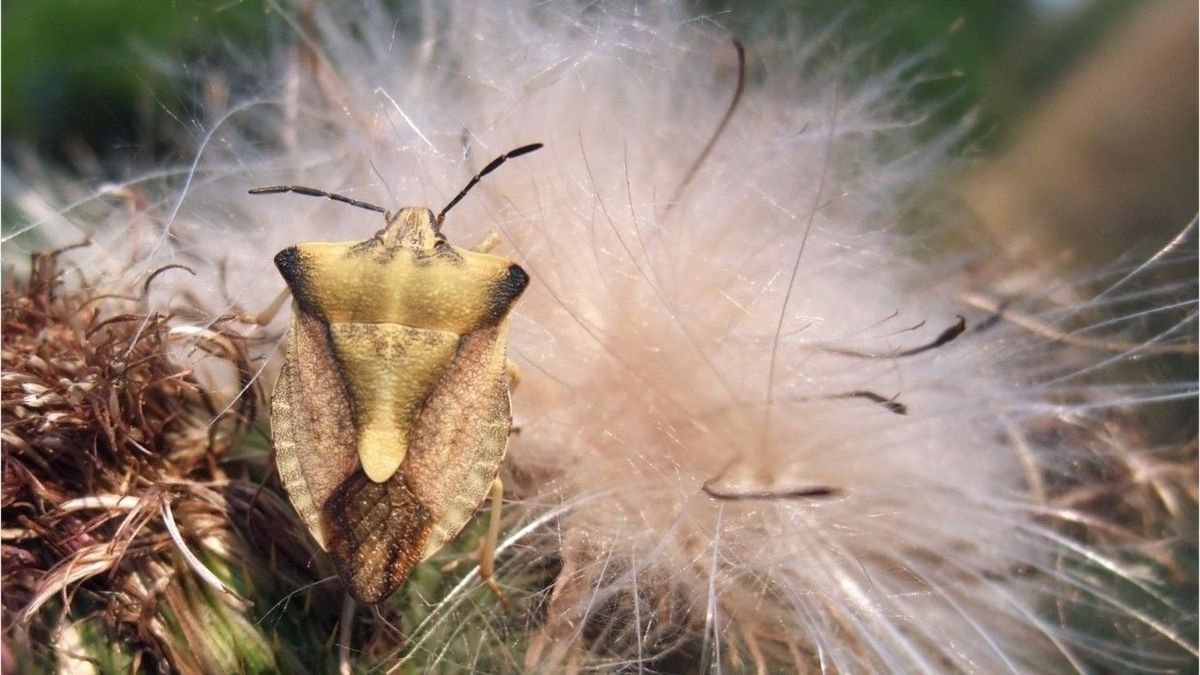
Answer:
[(390, 417)]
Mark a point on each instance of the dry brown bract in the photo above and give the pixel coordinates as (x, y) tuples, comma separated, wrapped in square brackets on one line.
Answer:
[(117, 478)]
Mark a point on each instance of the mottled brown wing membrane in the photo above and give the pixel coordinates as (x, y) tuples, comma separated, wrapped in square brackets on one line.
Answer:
[(461, 435), (377, 534), (380, 328), (309, 413)]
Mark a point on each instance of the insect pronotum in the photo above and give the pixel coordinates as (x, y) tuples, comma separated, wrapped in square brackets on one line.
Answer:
[(390, 417)]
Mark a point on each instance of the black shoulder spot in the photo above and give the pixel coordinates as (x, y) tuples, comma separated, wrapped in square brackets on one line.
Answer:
[(290, 265), (294, 270), (504, 293)]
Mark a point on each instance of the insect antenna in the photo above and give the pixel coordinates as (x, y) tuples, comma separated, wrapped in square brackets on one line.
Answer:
[(313, 192), (492, 166)]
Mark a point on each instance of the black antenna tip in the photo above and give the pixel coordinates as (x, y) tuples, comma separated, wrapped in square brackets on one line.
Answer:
[(491, 166), (525, 150)]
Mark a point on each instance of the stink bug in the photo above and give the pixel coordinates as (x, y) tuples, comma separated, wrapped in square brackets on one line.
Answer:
[(390, 417)]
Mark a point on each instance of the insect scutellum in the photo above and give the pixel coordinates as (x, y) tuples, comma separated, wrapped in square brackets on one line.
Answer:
[(391, 415)]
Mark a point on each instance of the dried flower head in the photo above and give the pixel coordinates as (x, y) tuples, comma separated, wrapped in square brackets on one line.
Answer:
[(131, 510), (765, 423)]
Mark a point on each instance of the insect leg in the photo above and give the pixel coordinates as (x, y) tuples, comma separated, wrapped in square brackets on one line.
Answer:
[(487, 561), (513, 373), (268, 315), (344, 632), (489, 242)]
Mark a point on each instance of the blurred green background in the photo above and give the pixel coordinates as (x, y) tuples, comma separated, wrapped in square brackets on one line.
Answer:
[(98, 76), (1081, 114)]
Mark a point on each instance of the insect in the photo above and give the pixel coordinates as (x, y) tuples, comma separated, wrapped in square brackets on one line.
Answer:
[(391, 417)]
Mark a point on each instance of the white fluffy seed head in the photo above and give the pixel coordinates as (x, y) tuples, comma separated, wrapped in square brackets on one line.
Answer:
[(733, 449)]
